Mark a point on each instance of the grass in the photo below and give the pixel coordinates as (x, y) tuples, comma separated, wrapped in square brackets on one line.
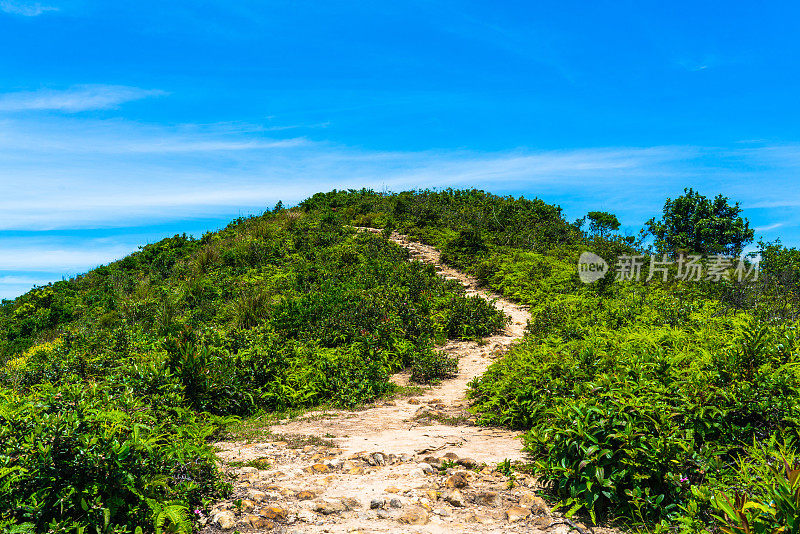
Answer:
[(261, 464), (430, 418), (253, 429)]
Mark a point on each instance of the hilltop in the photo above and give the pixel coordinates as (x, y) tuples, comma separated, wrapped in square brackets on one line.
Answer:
[(639, 401)]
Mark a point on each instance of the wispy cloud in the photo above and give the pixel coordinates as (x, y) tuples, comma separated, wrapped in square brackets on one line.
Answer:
[(25, 9), (75, 99), (769, 227), (36, 259), (69, 173), (66, 259)]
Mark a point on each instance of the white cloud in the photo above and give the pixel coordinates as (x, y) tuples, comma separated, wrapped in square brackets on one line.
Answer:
[(76, 258), (32, 261), (25, 9), (769, 227), (70, 173), (75, 99)]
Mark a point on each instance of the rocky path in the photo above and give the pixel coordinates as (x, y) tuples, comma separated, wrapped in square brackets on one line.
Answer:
[(415, 464)]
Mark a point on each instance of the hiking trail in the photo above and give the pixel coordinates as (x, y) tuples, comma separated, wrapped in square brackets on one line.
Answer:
[(411, 464)]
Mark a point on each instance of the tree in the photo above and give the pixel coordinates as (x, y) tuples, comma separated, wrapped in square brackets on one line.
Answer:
[(602, 223), (694, 223)]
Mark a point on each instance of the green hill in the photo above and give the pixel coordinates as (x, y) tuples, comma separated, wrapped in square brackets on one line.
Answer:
[(642, 400)]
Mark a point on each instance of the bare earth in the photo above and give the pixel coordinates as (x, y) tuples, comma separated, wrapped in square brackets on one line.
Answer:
[(381, 469)]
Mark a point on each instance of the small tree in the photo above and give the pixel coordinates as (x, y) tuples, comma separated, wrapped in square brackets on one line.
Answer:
[(602, 223), (697, 224)]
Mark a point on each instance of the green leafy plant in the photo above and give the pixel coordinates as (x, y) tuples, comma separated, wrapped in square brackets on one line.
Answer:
[(769, 500)]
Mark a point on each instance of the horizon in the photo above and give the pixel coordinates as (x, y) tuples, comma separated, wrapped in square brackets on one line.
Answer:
[(121, 125)]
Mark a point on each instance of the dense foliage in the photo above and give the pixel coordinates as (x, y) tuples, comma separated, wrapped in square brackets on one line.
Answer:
[(77, 456), (112, 381), (666, 403), (641, 400), (698, 224)]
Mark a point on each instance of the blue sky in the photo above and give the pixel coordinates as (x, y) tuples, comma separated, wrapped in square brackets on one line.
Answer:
[(124, 122)]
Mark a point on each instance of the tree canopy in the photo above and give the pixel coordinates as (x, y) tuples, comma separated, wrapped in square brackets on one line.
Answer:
[(695, 223), (602, 222)]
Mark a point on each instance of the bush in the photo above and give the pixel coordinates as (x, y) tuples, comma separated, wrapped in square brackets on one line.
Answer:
[(627, 421), (433, 366), (77, 456), (769, 498)]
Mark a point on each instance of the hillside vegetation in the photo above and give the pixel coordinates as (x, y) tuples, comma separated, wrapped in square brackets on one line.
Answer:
[(114, 381), (666, 404)]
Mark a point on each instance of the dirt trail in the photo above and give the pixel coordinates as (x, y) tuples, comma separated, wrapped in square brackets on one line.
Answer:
[(382, 468)]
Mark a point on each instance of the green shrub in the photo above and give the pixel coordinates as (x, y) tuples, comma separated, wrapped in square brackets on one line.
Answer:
[(625, 421), (79, 457), (768, 500), (433, 366)]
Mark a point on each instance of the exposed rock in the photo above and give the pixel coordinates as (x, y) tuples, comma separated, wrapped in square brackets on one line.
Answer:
[(469, 476), (315, 498), (274, 512), (456, 481), (319, 468), (454, 497), (377, 459), (335, 464), (414, 515), (347, 465), (469, 463), (481, 519), (427, 469), (412, 400), (249, 477), (441, 511), (328, 507), (351, 503), (256, 495), (258, 522), (517, 513), (225, 520), (306, 516), (534, 503), (486, 498), (541, 522)]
